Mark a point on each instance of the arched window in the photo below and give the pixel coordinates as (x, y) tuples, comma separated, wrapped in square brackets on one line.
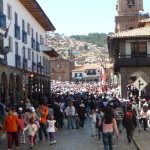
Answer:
[(1, 6), (131, 28), (23, 52)]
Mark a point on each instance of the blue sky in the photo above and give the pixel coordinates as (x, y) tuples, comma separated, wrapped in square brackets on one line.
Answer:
[(82, 16)]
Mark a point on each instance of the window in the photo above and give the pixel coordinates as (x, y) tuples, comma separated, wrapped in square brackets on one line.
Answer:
[(40, 59), (23, 52), (36, 36), (23, 25), (142, 48), (41, 40), (32, 56), (1, 6), (16, 48), (9, 12), (37, 58), (29, 54), (139, 48), (16, 18), (75, 74), (10, 43), (1, 41), (28, 28), (59, 66), (32, 32)]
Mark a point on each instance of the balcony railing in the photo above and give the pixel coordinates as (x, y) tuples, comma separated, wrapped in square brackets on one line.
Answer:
[(39, 67), (132, 60), (24, 36), (3, 61), (32, 43), (42, 70), (25, 63), (17, 32), (2, 21), (34, 69), (18, 61), (37, 46)]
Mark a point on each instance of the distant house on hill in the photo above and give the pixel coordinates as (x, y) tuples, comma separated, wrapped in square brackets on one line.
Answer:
[(88, 72)]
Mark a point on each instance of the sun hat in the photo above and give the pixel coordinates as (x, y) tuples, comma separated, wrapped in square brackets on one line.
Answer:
[(20, 108)]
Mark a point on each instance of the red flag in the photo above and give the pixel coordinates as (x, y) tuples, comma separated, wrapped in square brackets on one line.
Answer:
[(6, 32), (103, 77)]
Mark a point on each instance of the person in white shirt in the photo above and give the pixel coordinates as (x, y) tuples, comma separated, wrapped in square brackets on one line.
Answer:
[(51, 129), (32, 128), (70, 113), (93, 121)]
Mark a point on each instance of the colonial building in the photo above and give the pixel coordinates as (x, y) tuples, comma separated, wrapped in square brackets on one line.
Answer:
[(61, 69), (23, 50), (88, 72), (130, 53), (91, 72)]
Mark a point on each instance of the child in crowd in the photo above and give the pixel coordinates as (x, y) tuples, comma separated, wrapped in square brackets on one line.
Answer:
[(77, 121), (93, 121), (32, 128), (51, 129), (21, 132)]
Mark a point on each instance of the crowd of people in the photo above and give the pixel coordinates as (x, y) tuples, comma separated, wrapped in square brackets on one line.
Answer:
[(68, 109)]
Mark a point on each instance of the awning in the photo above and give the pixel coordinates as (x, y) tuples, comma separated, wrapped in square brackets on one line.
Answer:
[(37, 12)]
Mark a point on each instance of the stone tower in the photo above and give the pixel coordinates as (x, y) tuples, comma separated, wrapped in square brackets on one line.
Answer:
[(128, 14)]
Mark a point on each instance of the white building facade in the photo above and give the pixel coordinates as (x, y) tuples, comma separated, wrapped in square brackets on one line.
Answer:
[(89, 72), (28, 53)]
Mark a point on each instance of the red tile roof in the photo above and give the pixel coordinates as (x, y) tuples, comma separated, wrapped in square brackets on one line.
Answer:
[(139, 32), (145, 20)]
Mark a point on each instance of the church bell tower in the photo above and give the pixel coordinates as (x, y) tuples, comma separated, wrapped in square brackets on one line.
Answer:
[(128, 14)]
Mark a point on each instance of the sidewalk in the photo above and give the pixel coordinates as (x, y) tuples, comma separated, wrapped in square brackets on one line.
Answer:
[(142, 140)]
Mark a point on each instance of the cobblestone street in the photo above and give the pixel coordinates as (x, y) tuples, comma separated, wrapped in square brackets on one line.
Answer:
[(78, 139)]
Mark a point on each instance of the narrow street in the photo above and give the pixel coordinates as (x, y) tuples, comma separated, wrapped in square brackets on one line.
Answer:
[(77, 139)]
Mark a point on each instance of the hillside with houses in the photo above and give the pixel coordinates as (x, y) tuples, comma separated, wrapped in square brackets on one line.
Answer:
[(79, 51)]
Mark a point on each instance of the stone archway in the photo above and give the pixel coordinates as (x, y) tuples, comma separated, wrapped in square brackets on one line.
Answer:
[(4, 86), (11, 87), (45, 87), (18, 89)]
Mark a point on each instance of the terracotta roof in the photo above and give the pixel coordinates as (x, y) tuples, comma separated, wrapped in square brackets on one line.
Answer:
[(36, 11), (142, 23), (109, 66), (145, 20), (139, 32), (79, 69)]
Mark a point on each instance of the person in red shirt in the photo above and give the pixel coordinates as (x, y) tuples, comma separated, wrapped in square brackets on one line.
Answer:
[(10, 126)]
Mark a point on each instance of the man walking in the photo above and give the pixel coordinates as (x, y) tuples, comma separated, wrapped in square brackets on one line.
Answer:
[(129, 122), (70, 113), (44, 114)]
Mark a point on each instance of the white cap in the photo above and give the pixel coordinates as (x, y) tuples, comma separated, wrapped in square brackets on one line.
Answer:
[(32, 109), (20, 108)]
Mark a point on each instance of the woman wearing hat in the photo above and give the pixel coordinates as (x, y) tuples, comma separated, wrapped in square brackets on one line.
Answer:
[(82, 112), (30, 114)]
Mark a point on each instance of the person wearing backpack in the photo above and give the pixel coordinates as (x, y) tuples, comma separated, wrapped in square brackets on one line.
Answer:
[(129, 122)]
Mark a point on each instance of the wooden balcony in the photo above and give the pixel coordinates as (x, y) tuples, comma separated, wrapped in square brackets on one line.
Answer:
[(132, 60)]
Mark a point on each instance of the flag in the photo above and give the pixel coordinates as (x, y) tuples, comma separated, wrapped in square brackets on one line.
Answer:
[(103, 77), (143, 13), (6, 32)]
